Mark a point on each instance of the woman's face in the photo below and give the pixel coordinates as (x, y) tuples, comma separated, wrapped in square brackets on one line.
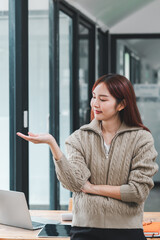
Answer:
[(103, 104)]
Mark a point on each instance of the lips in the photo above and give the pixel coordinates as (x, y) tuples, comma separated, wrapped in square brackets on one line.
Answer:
[(97, 112)]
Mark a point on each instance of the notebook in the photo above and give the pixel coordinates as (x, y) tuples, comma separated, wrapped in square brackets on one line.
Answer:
[(151, 229), (55, 230), (14, 211)]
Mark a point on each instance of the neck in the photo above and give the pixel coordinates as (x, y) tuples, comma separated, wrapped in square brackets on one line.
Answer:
[(111, 126)]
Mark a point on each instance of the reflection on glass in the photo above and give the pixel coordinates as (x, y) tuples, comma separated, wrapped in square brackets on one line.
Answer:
[(83, 74), (145, 73), (38, 105), (120, 57), (4, 96), (135, 66), (127, 65), (65, 60)]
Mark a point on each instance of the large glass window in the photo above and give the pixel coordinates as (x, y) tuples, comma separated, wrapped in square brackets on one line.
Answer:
[(65, 63), (38, 102), (142, 66), (144, 73), (4, 96), (83, 74)]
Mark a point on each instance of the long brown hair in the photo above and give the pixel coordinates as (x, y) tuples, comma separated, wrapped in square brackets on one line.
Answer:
[(121, 89)]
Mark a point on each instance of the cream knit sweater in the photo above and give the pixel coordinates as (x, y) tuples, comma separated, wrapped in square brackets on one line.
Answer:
[(130, 165)]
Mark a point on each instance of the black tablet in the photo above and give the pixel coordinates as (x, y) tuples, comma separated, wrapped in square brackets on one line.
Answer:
[(55, 230)]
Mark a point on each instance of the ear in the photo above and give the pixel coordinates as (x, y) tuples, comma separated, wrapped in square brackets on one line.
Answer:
[(121, 105)]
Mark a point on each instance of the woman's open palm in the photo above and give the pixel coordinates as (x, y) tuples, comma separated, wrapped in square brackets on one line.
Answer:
[(37, 138)]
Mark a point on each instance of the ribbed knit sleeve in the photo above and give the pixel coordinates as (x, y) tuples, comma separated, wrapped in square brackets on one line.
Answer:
[(72, 171), (143, 167)]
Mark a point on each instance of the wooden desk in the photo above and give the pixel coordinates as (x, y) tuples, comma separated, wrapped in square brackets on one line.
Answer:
[(7, 232)]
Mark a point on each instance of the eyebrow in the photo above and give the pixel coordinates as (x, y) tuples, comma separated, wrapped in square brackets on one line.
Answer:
[(102, 95)]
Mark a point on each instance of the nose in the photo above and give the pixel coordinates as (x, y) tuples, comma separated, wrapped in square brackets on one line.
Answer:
[(94, 103)]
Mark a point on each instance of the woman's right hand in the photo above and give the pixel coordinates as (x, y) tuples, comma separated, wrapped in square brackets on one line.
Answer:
[(37, 138), (43, 138)]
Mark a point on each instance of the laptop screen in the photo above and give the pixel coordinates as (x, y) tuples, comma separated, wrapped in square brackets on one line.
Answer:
[(14, 210)]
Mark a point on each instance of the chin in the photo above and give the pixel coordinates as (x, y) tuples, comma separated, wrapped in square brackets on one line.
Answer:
[(98, 118)]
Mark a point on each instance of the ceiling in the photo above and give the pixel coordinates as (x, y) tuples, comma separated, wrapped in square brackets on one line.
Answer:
[(109, 12), (127, 16)]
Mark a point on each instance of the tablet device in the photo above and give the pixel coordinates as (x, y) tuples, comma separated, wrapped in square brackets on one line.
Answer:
[(55, 230)]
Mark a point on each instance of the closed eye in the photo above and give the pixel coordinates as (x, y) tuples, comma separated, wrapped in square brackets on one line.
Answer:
[(102, 100)]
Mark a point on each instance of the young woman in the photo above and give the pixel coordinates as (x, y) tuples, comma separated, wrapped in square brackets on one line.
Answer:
[(110, 164)]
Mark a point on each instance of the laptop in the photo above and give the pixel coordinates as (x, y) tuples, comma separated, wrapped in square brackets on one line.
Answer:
[(14, 211)]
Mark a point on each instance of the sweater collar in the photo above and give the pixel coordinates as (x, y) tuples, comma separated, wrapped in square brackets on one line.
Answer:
[(95, 126)]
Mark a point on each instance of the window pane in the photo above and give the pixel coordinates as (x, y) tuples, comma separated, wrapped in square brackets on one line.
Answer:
[(4, 96), (38, 102), (65, 61), (83, 73)]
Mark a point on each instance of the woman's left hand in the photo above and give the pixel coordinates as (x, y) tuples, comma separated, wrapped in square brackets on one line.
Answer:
[(102, 190), (88, 188)]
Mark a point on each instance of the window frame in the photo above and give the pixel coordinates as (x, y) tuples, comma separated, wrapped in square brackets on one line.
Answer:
[(18, 81)]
